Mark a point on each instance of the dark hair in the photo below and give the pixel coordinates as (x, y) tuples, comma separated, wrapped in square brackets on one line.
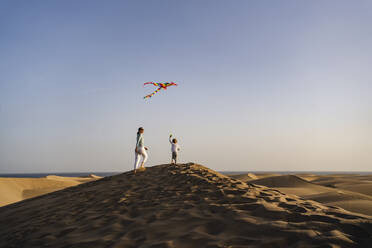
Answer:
[(174, 141), (139, 129)]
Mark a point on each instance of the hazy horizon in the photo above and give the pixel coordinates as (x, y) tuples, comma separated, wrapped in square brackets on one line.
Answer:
[(263, 85), (111, 173)]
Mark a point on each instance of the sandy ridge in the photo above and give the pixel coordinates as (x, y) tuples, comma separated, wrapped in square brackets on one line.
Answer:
[(178, 206)]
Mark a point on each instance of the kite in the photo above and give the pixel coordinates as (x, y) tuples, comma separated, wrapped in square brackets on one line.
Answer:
[(161, 86)]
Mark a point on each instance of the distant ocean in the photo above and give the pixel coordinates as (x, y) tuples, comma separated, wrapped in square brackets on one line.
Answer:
[(67, 174), (106, 174)]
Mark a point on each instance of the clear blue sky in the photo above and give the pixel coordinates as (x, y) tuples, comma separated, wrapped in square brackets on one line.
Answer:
[(263, 85)]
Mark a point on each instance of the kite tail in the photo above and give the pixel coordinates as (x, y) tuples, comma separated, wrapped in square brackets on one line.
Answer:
[(153, 93)]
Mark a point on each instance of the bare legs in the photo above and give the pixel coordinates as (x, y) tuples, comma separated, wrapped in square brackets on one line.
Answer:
[(174, 158)]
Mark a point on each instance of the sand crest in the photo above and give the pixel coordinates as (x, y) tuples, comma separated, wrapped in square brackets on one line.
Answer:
[(184, 205)]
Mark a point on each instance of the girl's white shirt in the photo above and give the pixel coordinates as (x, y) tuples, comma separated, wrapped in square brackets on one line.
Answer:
[(174, 147)]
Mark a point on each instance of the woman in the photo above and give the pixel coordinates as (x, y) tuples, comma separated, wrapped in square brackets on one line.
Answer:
[(140, 150)]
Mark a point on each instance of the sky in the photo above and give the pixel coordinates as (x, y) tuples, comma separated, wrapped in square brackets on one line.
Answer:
[(263, 85)]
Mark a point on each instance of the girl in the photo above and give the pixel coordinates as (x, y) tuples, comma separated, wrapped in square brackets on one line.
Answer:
[(175, 148), (140, 150)]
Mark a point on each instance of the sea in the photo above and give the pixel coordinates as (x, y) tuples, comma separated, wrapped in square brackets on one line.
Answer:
[(106, 174), (63, 174)]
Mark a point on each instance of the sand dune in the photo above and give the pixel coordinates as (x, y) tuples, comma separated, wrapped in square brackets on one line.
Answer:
[(245, 177), (356, 183), (363, 188), (178, 206), (338, 190), (283, 181), (308, 177), (17, 189), (263, 175)]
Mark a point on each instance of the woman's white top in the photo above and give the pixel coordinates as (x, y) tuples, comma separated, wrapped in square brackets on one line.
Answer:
[(139, 140)]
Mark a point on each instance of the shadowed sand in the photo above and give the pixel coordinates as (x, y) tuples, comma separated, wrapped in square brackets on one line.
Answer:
[(351, 192), (18, 189), (184, 205)]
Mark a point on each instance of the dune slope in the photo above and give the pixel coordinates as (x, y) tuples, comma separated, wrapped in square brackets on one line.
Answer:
[(18, 189), (336, 191), (356, 183), (185, 205)]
